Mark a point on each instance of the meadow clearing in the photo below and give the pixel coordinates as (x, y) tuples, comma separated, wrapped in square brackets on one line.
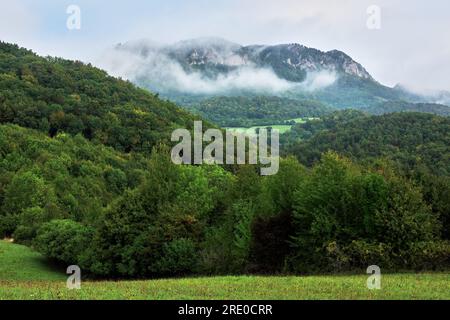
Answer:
[(282, 128), (25, 274)]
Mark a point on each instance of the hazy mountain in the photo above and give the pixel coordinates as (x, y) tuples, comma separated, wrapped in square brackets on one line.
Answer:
[(210, 67), (290, 62), (402, 106), (439, 97), (195, 72)]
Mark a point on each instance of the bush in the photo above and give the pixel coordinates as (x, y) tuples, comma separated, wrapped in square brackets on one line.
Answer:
[(23, 234), (8, 223), (270, 243), (429, 255), (424, 255), (216, 254), (63, 240), (359, 254), (29, 222), (179, 257)]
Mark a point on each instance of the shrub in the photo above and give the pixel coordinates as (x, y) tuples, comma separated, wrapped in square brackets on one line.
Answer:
[(63, 240), (270, 243), (29, 222), (8, 223), (360, 254), (423, 255), (429, 255), (179, 257)]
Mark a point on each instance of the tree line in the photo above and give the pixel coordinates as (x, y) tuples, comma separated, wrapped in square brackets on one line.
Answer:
[(91, 183)]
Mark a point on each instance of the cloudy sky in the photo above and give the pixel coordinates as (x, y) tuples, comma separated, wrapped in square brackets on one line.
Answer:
[(412, 47)]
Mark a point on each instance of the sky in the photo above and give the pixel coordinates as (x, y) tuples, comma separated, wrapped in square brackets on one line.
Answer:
[(411, 46)]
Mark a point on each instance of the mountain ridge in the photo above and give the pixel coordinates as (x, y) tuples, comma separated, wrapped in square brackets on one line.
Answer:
[(55, 95), (216, 51), (210, 67)]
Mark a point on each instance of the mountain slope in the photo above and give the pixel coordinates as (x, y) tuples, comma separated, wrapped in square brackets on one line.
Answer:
[(411, 139), (55, 95), (255, 111), (402, 106), (290, 61), (438, 96), (43, 178), (205, 68)]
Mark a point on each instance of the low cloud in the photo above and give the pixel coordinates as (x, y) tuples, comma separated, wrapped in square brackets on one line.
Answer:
[(151, 67), (17, 22), (319, 80), (429, 95)]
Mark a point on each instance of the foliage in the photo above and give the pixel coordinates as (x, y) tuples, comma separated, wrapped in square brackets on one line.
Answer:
[(86, 178), (403, 106), (410, 139), (148, 226), (63, 240), (256, 111), (340, 204), (46, 178), (178, 258), (55, 95)]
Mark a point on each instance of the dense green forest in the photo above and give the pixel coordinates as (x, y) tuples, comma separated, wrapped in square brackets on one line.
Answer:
[(408, 138), (402, 106), (256, 111), (43, 178), (416, 144), (53, 95), (86, 178)]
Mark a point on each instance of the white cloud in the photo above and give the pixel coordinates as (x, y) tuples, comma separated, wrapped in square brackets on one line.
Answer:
[(318, 80), (18, 24), (412, 46), (162, 73)]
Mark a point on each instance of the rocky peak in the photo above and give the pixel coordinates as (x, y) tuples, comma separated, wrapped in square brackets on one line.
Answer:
[(290, 61)]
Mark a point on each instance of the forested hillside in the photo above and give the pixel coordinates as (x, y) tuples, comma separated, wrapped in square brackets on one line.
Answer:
[(416, 144), (402, 106), (409, 138), (86, 179), (63, 177), (55, 95), (256, 111)]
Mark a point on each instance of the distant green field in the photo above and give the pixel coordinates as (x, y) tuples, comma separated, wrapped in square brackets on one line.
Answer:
[(281, 128), (24, 275)]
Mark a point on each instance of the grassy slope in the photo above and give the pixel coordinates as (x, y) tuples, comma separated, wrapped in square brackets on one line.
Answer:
[(23, 275), (19, 263), (423, 286), (281, 128)]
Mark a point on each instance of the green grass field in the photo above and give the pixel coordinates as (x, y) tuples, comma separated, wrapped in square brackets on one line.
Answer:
[(25, 275), (281, 128)]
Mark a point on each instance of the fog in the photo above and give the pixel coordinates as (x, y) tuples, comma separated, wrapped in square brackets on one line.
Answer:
[(150, 64)]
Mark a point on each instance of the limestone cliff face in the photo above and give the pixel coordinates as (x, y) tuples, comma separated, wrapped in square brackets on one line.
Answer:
[(289, 61)]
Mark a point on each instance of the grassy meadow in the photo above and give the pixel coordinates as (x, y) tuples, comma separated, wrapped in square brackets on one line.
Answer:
[(25, 274), (281, 128)]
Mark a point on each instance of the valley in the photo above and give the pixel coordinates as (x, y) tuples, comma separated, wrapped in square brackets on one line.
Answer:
[(192, 72), (282, 128), (86, 179)]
